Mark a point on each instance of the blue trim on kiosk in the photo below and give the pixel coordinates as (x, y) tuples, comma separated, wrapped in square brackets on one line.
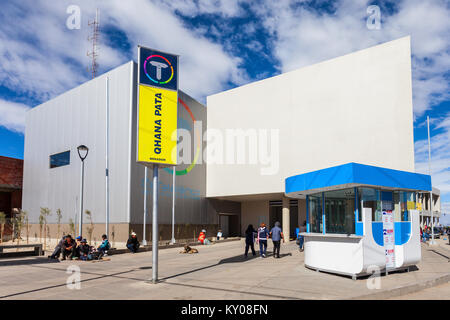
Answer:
[(356, 174), (307, 214)]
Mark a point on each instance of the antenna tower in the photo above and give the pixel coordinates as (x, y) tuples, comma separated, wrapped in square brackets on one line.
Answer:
[(94, 39)]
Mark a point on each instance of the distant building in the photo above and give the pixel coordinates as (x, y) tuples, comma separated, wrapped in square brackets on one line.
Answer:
[(423, 204), (11, 176)]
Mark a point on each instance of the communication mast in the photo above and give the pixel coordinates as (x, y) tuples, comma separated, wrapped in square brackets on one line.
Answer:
[(94, 39)]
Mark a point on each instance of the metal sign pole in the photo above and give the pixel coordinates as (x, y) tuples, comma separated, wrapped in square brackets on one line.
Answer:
[(80, 226), (144, 237), (173, 204), (107, 159), (155, 232)]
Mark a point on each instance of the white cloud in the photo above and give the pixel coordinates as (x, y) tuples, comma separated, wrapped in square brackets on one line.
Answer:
[(224, 8), (43, 58), (303, 36), (12, 115)]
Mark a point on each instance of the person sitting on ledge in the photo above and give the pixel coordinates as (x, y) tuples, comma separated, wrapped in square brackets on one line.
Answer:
[(133, 243), (105, 246), (84, 250), (57, 251), (202, 238), (68, 247)]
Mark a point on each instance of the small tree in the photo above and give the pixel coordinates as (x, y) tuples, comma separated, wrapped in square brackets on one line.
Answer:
[(45, 212), (90, 229), (27, 224), (48, 237), (113, 235), (2, 224), (72, 226), (41, 225), (59, 218), (18, 223)]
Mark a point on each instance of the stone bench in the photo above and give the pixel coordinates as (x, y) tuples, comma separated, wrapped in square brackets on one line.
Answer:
[(37, 248)]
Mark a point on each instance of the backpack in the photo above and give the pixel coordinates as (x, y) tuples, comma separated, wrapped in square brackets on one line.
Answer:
[(262, 233)]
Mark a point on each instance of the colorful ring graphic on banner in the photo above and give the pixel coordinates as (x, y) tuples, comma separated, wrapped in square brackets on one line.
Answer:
[(197, 152), (148, 76)]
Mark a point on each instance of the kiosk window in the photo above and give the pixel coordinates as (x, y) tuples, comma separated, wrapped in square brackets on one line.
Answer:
[(371, 198), (340, 211), (315, 213), (407, 203)]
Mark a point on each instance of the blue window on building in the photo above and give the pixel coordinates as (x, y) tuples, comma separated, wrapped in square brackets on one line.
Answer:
[(60, 159)]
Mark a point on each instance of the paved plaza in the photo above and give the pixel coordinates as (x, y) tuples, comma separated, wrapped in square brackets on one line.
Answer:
[(218, 271)]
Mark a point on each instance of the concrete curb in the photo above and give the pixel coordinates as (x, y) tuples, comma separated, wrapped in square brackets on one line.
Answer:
[(404, 290)]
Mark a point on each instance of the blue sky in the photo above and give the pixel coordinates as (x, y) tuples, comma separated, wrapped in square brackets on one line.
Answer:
[(223, 44)]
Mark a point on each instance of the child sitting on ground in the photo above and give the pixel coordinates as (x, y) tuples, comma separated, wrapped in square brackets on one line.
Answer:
[(85, 251)]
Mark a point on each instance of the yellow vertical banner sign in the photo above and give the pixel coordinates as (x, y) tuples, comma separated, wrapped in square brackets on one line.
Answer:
[(157, 107), (157, 131)]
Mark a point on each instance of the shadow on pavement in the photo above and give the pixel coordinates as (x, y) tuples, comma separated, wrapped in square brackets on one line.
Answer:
[(236, 259), (18, 262)]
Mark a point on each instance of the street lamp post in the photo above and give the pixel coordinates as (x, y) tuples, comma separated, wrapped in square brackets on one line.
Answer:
[(82, 153), (431, 191)]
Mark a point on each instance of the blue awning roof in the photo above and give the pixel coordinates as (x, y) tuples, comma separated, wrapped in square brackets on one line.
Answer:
[(353, 175)]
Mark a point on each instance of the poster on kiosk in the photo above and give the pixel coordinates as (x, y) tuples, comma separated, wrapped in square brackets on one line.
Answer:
[(388, 234), (157, 107)]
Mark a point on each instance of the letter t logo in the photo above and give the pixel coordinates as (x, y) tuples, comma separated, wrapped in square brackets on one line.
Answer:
[(159, 66)]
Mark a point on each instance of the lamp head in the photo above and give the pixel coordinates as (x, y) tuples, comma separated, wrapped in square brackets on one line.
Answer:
[(82, 151)]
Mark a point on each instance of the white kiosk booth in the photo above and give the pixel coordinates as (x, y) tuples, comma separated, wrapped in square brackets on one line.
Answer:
[(360, 218)]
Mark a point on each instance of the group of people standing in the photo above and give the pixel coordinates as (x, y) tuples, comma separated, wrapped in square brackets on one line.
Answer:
[(261, 236)]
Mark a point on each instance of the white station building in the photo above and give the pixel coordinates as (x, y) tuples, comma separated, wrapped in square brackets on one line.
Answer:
[(353, 113)]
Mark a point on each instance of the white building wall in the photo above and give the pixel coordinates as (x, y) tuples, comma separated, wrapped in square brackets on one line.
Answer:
[(354, 108), (74, 118)]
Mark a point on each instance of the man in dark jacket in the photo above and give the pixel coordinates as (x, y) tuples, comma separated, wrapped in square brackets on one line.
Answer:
[(84, 249), (133, 243), (250, 239), (68, 247), (57, 251)]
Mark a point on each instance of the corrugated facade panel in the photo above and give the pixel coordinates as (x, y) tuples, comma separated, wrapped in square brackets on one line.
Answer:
[(61, 124), (78, 117)]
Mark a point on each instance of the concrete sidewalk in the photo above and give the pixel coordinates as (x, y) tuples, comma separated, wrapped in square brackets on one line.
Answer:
[(217, 272)]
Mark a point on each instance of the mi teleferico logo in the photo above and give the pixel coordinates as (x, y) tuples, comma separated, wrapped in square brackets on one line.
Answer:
[(158, 69)]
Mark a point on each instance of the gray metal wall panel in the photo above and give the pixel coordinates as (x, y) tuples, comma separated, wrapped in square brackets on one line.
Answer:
[(61, 124)]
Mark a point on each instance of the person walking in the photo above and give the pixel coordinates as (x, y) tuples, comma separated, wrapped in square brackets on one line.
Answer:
[(276, 235), (263, 235), (301, 239), (250, 240)]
